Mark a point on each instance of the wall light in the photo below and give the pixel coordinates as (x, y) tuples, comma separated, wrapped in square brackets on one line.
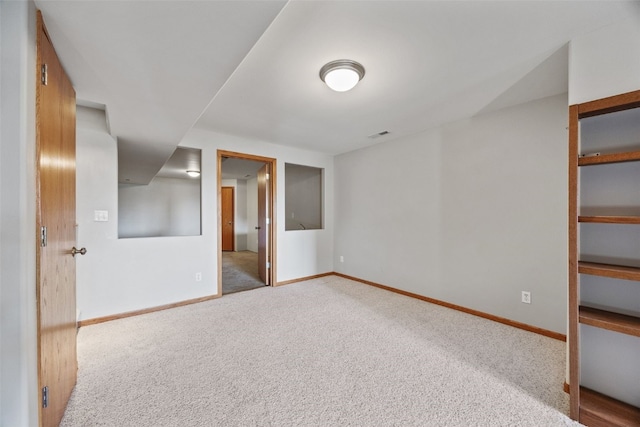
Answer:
[(342, 75), (193, 174)]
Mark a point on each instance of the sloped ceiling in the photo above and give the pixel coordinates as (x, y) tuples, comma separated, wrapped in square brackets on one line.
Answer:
[(250, 68), (155, 65)]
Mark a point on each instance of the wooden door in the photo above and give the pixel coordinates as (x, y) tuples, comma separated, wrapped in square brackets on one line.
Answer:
[(227, 219), (56, 209), (263, 224)]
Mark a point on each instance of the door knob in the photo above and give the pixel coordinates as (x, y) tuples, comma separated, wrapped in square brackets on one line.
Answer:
[(257, 228), (75, 251)]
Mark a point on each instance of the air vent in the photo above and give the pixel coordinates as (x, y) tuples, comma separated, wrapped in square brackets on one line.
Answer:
[(379, 134)]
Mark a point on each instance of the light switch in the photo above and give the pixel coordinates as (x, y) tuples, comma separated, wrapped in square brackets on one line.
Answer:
[(100, 216)]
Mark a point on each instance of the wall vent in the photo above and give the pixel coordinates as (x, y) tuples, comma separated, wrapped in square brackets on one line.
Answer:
[(379, 134)]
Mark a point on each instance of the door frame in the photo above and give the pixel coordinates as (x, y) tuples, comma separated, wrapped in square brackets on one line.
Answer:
[(272, 244)]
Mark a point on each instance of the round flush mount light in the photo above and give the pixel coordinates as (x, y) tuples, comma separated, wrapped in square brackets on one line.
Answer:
[(342, 75), (193, 173)]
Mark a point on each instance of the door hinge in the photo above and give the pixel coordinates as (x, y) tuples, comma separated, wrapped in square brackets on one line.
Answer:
[(43, 74), (268, 221), (43, 237), (45, 397), (267, 176), (268, 265)]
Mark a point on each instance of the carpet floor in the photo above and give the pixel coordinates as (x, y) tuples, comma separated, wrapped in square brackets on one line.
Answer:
[(325, 352), (240, 272)]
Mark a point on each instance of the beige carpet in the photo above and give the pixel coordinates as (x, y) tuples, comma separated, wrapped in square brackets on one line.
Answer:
[(240, 272), (326, 352)]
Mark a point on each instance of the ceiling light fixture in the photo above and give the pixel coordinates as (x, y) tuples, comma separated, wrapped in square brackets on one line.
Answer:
[(342, 75), (193, 173)]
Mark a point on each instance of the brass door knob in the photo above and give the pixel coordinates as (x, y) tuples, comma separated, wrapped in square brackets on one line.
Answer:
[(75, 251)]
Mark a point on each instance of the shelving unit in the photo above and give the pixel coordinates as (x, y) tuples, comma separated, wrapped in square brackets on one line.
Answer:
[(589, 406)]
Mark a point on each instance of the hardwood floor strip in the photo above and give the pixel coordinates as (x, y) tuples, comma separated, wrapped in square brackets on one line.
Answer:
[(524, 326)]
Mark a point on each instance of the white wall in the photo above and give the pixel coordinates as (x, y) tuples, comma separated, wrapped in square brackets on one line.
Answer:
[(18, 345), (252, 214), (164, 207), (605, 62), (120, 275), (471, 213)]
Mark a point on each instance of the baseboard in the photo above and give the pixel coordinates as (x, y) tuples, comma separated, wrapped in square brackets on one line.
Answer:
[(535, 329), (566, 388), (96, 320), (524, 326), (302, 279)]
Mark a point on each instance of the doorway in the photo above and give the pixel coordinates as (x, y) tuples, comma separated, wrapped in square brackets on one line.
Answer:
[(246, 199)]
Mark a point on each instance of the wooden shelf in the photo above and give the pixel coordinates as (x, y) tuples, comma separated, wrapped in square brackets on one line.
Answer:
[(611, 321), (596, 410), (609, 270), (610, 219), (611, 104), (631, 156)]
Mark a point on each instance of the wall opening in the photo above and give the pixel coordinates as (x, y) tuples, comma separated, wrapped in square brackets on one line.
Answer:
[(170, 205), (303, 197)]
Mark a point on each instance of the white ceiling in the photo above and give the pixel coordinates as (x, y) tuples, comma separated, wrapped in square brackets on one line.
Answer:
[(156, 65), (250, 68), (233, 168), (182, 160)]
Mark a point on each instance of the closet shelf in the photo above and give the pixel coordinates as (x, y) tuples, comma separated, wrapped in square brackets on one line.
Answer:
[(610, 219), (609, 270), (597, 409), (588, 406), (617, 322), (630, 156)]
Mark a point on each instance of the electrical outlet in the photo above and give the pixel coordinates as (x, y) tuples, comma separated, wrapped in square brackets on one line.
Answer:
[(198, 277), (341, 258), (526, 297)]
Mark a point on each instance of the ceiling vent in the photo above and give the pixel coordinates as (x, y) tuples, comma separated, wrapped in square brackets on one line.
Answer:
[(379, 134)]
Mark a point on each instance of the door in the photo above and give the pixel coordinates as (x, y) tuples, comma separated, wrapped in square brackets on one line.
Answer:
[(263, 224), (56, 232), (227, 219)]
